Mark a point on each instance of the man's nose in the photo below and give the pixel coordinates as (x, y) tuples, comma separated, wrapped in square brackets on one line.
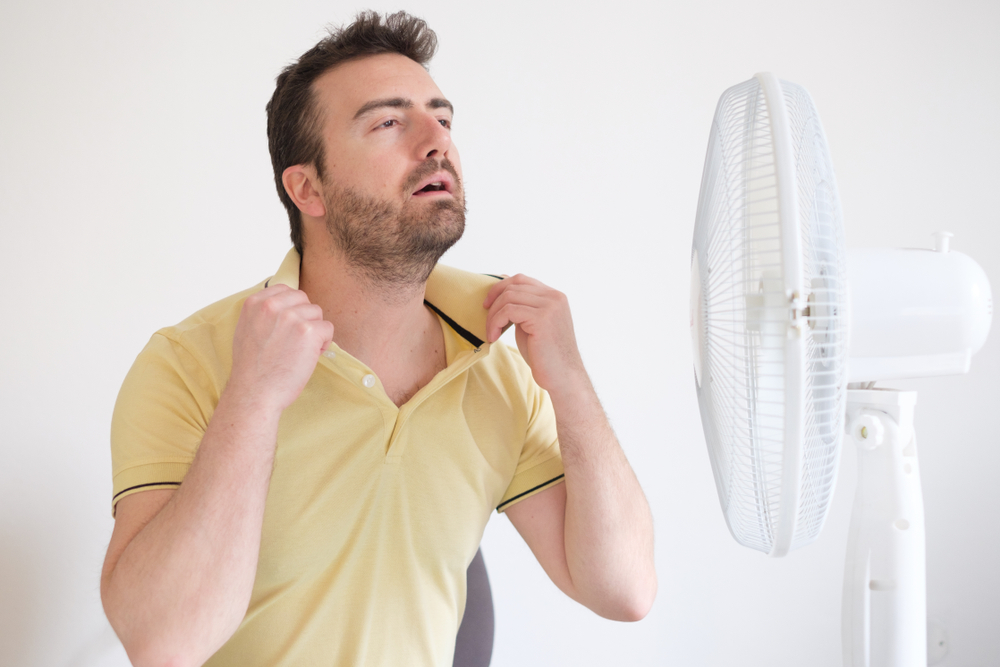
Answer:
[(435, 139)]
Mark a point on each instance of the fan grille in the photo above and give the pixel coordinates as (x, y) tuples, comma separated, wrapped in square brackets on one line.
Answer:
[(745, 314), (824, 261)]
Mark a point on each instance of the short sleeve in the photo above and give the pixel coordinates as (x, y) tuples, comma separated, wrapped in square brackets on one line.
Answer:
[(161, 414), (540, 464)]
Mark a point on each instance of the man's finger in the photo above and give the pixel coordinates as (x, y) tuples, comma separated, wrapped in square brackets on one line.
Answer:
[(495, 291), (519, 295), (520, 281), (306, 311), (520, 314)]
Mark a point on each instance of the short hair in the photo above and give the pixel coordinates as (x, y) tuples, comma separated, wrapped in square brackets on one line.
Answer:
[(293, 117)]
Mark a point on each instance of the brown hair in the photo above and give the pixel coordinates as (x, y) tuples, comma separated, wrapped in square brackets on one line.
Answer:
[(293, 119)]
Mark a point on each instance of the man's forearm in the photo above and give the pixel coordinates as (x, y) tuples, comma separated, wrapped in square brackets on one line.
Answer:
[(604, 558), (181, 587), (608, 525)]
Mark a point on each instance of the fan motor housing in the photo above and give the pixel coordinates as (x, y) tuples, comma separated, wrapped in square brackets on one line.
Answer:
[(915, 313)]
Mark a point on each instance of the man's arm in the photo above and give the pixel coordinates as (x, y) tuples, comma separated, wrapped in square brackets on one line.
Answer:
[(181, 564), (593, 534)]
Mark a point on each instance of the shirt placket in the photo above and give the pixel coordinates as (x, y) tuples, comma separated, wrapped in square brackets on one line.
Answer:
[(394, 419)]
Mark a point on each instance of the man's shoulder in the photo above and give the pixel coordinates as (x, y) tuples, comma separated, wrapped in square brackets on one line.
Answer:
[(209, 330)]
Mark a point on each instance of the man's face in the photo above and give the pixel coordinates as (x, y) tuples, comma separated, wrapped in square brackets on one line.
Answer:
[(392, 183)]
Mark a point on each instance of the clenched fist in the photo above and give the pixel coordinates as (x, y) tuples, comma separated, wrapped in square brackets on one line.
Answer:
[(278, 340)]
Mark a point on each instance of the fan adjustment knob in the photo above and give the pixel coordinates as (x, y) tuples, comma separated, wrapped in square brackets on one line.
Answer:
[(868, 431), (942, 241)]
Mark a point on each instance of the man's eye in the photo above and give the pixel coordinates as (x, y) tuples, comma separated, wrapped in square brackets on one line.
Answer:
[(445, 123), (389, 123)]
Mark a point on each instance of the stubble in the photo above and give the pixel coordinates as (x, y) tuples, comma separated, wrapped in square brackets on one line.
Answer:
[(392, 246)]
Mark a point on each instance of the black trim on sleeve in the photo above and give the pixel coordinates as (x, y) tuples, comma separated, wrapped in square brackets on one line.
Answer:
[(531, 490), (467, 335), (141, 486)]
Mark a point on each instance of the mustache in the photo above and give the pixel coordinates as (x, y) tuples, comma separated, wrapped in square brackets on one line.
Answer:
[(431, 166)]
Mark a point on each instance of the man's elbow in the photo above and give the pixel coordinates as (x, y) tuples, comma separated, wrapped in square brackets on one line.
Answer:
[(627, 604), (150, 655), (149, 649), (636, 605)]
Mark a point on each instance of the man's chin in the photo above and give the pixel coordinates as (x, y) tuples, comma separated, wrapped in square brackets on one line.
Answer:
[(431, 205), (394, 247), (445, 222), (436, 241)]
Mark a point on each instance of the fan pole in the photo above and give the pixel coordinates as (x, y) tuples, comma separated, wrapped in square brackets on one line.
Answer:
[(884, 622)]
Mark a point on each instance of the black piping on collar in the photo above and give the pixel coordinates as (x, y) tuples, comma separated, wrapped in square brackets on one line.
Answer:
[(464, 333), (461, 331)]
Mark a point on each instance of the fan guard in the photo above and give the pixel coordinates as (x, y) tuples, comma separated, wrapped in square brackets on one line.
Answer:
[(768, 314)]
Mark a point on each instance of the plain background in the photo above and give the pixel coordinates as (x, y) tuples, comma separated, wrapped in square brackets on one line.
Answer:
[(135, 188)]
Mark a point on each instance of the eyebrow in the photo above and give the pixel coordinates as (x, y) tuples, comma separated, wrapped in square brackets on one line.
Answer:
[(402, 103)]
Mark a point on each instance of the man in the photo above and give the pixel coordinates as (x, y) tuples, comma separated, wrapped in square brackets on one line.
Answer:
[(303, 471)]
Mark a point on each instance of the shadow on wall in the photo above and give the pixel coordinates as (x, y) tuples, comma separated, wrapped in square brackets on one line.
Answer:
[(24, 625), (102, 650), (21, 616)]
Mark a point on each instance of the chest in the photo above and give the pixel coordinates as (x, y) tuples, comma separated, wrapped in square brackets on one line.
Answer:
[(408, 363), (354, 476), (401, 378)]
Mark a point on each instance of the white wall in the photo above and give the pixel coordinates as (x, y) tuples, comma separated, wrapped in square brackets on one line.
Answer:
[(135, 187)]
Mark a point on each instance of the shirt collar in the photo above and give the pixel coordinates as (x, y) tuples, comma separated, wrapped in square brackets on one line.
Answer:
[(456, 296)]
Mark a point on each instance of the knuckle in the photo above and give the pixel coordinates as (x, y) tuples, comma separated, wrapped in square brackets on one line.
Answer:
[(287, 319), (270, 307), (253, 301)]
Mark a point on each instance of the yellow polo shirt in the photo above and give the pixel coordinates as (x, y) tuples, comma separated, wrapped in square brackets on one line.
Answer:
[(374, 512)]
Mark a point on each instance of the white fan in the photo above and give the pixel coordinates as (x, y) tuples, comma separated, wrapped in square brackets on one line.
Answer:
[(777, 340)]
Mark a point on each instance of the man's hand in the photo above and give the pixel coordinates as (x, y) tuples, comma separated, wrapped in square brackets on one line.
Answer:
[(277, 342), (544, 331)]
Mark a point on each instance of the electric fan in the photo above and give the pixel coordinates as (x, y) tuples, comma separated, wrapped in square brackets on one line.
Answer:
[(786, 359)]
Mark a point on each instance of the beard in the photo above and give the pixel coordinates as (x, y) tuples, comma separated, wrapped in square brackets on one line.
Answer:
[(390, 245)]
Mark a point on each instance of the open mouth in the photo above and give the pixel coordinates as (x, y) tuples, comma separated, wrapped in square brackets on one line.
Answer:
[(433, 184)]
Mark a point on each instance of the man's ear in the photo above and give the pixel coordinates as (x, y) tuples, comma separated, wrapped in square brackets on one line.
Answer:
[(303, 186)]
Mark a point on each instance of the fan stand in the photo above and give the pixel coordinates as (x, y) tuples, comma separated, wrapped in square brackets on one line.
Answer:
[(884, 615)]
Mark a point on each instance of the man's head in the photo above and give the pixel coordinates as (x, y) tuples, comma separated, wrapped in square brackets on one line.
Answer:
[(355, 127)]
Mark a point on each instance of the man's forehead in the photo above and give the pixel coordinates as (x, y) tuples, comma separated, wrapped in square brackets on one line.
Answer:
[(358, 83)]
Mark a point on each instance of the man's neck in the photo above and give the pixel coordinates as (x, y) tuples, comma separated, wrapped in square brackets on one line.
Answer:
[(374, 323)]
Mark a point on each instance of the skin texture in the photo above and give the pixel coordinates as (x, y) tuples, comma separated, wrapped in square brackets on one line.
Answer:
[(180, 567)]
